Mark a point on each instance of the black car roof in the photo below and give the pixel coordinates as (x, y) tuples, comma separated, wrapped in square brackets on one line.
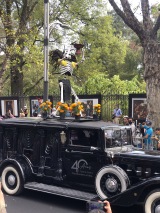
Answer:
[(56, 122)]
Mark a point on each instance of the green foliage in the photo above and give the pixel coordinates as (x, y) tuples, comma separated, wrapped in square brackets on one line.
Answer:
[(100, 83), (108, 54)]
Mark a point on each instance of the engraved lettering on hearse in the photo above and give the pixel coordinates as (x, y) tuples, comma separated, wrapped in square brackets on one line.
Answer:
[(80, 165)]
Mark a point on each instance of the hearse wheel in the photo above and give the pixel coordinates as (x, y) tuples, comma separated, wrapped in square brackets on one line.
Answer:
[(11, 180), (110, 181), (152, 202)]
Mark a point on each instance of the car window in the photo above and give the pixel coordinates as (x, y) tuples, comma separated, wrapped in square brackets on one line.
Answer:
[(83, 137), (117, 137)]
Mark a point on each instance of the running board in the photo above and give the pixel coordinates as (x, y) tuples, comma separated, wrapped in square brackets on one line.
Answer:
[(61, 191)]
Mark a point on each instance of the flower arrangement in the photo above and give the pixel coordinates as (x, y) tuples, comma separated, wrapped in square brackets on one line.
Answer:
[(45, 106), (76, 108), (62, 107), (97, 109)]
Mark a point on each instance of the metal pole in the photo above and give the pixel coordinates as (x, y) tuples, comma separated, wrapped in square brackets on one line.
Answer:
[(46, 48)]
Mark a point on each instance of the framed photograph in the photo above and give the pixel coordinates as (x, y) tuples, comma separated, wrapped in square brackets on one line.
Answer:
[(138, 106), (35, 101), (9, 104), (88, 101)]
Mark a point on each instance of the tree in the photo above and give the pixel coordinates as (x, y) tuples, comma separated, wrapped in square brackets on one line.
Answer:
[(106, 51), (21, 26), (20, 31), (133, 57), (100, 83), (147, 31)]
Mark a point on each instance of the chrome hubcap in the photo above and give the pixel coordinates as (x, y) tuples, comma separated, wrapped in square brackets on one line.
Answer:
[(111, 185), (11, 180), (157, 209)]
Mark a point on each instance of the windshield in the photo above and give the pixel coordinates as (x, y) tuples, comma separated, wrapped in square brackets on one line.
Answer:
[(117, 137)]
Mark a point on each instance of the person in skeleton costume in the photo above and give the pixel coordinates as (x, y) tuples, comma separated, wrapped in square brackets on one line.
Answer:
[(66, 63)]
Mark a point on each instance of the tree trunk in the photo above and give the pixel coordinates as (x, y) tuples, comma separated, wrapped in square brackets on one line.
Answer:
[(16, 83), (16, 75), (152, 78)]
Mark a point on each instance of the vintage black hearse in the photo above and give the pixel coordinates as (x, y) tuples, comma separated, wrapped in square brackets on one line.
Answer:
[(78, 159)]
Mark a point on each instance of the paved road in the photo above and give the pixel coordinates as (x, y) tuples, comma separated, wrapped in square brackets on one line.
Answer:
[(37, 202)]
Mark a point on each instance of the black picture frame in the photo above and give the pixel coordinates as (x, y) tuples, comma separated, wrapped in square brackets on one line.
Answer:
[(88, 100), (138, 107), (9, 103), (34, 102)]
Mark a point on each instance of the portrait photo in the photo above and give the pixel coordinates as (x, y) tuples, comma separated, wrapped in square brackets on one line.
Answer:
[(138, 106), (35, 102), (9, 104), (88, 102)]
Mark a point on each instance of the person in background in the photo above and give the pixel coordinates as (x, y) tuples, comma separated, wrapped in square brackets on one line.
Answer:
[(156, 139), (22, 115), (9, 114), (39, 109), (25, 111), (117, 113), (147, 135), (133, 127), (2, 202), (126, 120)]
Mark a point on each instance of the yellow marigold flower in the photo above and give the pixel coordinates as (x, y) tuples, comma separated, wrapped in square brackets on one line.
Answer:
[(74, 64), (74, 104), (63, 63)]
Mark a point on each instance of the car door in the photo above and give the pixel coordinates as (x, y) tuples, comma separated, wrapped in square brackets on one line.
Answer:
[(82, 155)]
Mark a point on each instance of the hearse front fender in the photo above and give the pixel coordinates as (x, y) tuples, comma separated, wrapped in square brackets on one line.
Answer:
[(136, 194)]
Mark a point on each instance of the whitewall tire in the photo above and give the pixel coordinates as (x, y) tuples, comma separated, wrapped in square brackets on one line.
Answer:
[(11, 180), (110, 181), (152, 202)]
